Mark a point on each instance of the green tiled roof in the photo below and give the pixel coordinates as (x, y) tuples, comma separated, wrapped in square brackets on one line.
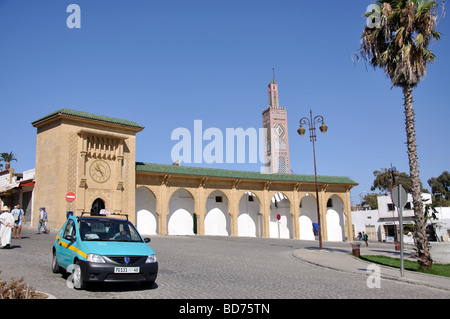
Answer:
[(213, 172), (89, 116)]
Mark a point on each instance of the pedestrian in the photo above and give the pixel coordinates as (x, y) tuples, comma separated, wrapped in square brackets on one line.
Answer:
[(7, 223), (43, 217), (359, 236), (18, 215), (365, 238)]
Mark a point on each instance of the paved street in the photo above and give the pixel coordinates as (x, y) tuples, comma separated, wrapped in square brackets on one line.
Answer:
[(211, 267)]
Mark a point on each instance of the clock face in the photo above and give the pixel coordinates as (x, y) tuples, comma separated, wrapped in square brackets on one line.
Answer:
[(100, 171)]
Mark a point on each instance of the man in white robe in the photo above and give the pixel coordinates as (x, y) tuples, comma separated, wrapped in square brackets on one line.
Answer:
[(6, 226)]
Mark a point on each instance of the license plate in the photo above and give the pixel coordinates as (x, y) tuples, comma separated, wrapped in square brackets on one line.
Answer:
[(126, 270)]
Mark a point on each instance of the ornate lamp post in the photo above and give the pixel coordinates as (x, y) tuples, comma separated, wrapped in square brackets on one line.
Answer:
[(311, 122)]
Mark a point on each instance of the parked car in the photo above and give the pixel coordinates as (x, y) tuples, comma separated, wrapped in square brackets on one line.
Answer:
[(103, 248)]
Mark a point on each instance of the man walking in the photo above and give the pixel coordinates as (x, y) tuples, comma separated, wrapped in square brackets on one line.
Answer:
[(18, 215), (365, 238), (43, 217)]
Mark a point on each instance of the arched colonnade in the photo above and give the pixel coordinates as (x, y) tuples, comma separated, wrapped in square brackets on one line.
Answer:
[(191, 204)]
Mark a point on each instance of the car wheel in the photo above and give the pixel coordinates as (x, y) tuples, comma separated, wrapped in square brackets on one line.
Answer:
[(55, 265), (77, 277)]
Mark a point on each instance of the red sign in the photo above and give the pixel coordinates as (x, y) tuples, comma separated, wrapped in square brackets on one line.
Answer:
[(70, 197), (278, 216)]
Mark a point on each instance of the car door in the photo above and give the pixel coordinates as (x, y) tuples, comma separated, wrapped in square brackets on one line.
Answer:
[(66, 242)]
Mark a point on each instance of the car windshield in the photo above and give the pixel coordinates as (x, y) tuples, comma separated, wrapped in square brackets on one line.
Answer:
[(105, 229)]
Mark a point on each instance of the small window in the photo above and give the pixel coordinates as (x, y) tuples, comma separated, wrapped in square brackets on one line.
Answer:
[(250, 198), (390, 207), (218, 199), (408, 205), (70, 229)]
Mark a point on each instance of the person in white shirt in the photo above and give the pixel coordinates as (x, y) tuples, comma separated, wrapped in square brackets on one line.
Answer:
[(18, 215), (43, 217), (7, 223)]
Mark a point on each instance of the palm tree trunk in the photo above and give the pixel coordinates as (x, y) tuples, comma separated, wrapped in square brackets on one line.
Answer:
[(420, 236)]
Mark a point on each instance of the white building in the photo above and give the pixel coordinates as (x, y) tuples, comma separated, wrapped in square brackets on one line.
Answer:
[(381, 224)]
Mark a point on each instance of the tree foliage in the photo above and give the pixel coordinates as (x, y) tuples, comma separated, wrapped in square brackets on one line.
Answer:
[(386, 179), (440, 187), (7, 158), (398, 45)]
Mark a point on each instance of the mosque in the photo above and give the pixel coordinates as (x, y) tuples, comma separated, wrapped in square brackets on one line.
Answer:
[(93, 156)]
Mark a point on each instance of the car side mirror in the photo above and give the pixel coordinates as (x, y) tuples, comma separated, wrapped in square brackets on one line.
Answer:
[(70, 238), (147, 240)]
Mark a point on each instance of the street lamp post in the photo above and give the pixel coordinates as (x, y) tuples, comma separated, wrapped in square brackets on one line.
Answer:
[(311, 122)]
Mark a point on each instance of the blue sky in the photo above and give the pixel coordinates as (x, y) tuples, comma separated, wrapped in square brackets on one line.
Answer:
[(164, 64)]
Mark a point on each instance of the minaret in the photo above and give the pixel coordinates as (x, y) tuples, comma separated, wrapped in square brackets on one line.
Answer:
[(277, 142)]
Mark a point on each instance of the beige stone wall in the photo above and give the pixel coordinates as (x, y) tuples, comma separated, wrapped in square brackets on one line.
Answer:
[(67, 153)]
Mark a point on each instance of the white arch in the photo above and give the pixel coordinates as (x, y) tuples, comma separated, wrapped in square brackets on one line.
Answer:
[(249, 219), (217, 219), (282, 228), (335, 220), (308, 216), (146, 217), (180, 220)]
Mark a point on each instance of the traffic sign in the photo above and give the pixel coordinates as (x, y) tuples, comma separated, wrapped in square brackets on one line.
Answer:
[(70, 197), (278, 216), (399, 196)]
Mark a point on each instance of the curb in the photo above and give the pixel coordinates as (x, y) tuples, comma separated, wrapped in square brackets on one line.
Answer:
[(382, 275)]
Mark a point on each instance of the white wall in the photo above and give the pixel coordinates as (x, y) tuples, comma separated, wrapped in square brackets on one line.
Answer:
[(383, 202), (180, 220), (282, 228), (308, 216), (217, 219), (146, 217), (335, 220), (249, 219)]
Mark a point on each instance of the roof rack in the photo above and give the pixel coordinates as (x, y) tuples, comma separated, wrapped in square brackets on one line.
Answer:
[(103, 213)]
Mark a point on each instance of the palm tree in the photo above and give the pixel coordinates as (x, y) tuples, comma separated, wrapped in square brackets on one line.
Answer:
[(7, 158), (398, 44)]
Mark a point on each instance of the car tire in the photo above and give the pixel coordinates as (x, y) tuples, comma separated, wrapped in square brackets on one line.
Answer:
[(55, 265), (77, 277)]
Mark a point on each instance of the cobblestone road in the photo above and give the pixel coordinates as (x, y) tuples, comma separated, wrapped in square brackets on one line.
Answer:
[(209, 267)]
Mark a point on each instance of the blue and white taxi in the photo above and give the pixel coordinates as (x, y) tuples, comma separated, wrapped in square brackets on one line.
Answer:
[(103, 248)]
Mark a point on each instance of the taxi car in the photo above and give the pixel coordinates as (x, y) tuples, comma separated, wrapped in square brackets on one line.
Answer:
[(103, 248)]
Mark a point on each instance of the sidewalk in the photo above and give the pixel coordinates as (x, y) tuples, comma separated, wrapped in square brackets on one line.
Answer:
[(340, 258)]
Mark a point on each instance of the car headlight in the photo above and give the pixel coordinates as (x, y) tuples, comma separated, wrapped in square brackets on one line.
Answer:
[(151, 259), (95, 258)]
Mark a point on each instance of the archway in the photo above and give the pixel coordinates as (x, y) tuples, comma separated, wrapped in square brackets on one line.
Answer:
[(180, 220), (146, 217), (249, 219), (307, 220), (335, 219), (97, 206), (282, 228), (217, 219)]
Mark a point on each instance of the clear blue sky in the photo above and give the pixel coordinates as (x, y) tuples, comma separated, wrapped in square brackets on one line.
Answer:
[(165, 64)]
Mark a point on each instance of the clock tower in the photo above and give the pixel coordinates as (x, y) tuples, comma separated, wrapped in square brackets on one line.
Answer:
[(90, 155), (277, 142)]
